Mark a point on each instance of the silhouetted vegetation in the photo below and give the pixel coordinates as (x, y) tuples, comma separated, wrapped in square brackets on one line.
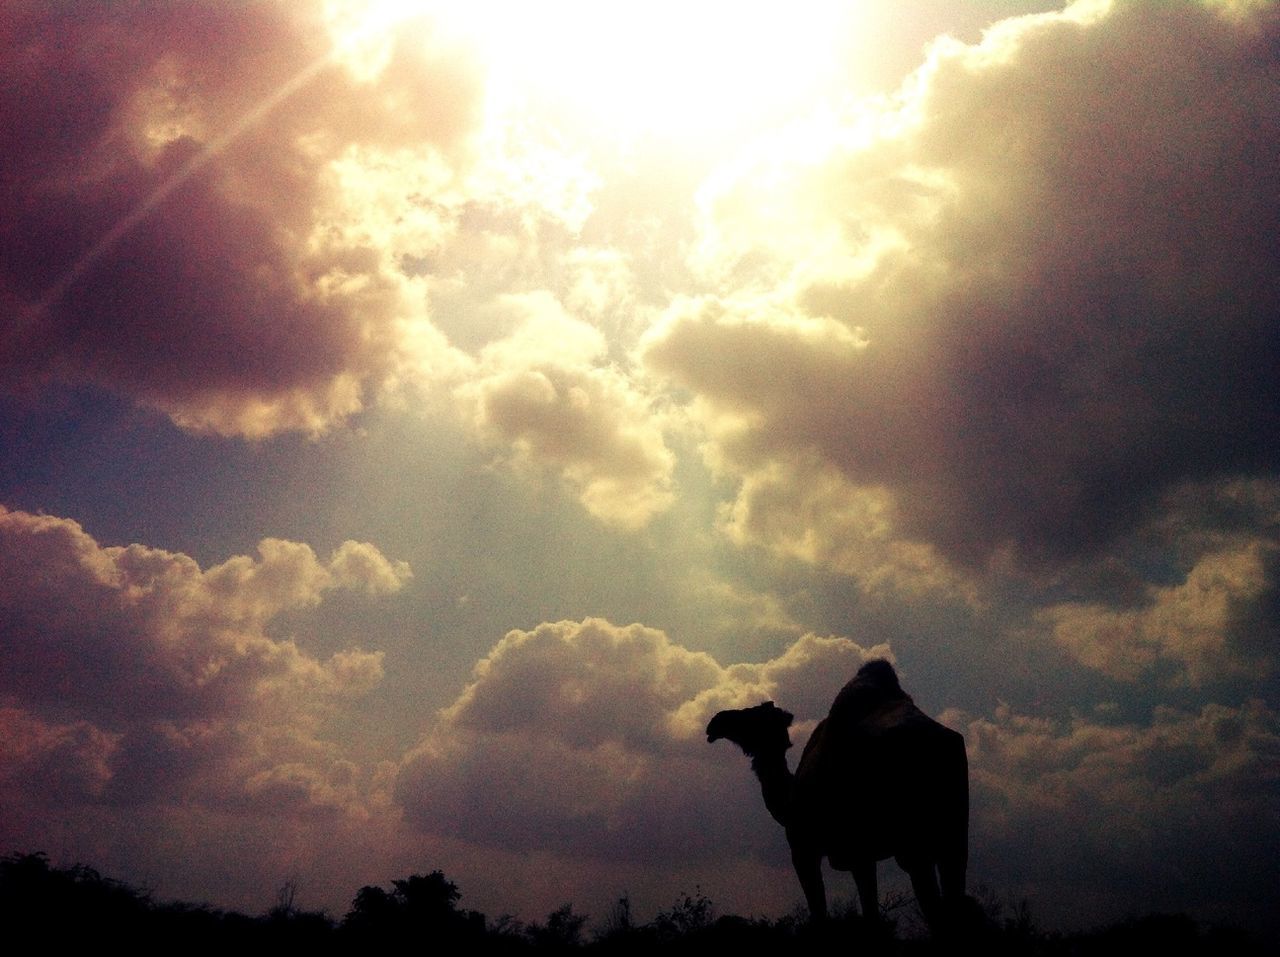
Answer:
[(421, 908), (78, 906)]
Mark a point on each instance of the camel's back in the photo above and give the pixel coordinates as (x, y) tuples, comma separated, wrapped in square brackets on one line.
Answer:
[(891, 745)]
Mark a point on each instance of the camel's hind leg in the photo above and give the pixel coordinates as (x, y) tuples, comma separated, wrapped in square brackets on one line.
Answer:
[(953, 860), (951, 873), (864, 876), (924, 882)]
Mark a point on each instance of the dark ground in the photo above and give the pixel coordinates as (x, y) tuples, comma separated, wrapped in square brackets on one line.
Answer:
[(76, 906)]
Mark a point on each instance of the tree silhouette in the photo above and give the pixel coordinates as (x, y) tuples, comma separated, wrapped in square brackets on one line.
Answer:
[(420, 908), (427, 900), (63, 905)]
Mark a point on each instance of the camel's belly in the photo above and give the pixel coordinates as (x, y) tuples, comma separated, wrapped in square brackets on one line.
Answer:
[(844, 859), (892, 839)]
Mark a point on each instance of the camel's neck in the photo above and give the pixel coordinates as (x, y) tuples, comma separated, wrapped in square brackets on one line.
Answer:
[(776, 784)]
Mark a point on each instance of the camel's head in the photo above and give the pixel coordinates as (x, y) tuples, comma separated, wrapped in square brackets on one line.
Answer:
[(757, 730)]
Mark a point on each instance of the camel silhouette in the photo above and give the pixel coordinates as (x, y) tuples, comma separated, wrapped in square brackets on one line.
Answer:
[(877, 779)]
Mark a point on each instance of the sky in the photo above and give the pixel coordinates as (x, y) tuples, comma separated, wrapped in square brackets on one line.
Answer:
[(416, 420)]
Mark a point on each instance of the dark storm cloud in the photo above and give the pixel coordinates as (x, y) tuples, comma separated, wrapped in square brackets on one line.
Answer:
[(1072, 304), (215, 302)]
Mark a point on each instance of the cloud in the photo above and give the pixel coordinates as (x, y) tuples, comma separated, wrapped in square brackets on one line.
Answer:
[(545, 391), (52, 765), (1188, 599), (586, 739), (1117, 817), (727, 608), (133, 676), (1035, 298), (809, 511), (170, 227), (585, 683), (1209, 626), (361, 565), (602, 286), (259, 221)]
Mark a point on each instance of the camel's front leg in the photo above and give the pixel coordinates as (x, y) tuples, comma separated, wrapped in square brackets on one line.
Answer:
[(864, 876), (808, 867)]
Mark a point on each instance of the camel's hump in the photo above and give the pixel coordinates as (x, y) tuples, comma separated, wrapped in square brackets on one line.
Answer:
[(872, 696)]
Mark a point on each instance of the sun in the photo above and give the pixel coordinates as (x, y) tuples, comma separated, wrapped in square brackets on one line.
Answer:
[(691, 70)]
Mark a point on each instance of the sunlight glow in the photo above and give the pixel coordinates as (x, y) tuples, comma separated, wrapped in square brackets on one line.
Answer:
[(662, 68)]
